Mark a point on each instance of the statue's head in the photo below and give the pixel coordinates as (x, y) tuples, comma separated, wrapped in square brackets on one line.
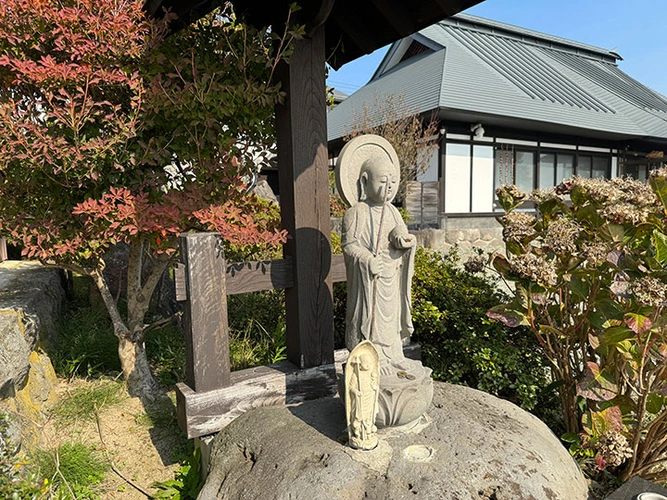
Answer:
[(379, 182)]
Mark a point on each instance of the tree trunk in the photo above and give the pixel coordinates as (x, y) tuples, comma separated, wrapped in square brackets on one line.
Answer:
[(137, 373), (131, 347), (568, 399)]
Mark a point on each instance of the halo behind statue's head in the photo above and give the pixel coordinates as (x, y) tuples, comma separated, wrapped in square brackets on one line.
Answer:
[(353, 156)]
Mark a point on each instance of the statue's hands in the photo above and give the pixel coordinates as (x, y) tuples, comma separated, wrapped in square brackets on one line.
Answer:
[(376, 265), (401, 239), (405, 241)]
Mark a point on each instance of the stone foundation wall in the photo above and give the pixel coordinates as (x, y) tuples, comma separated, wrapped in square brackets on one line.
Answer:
[(466, 233)]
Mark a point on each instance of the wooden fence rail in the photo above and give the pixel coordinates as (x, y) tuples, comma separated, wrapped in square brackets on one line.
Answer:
[(212, 395)]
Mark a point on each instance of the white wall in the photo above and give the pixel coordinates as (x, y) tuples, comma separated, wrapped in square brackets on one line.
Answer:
[(457, 178), (482, 179)]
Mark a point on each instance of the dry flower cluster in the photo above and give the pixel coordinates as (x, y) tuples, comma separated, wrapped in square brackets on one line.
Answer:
[(561, 236), (518, 226), (649, 292), (535, 268), (614, 448)]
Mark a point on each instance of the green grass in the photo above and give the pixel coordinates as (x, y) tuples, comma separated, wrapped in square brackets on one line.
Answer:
[(165, 349), (74, 470), (257, 328), (87, 346), (83, 403)]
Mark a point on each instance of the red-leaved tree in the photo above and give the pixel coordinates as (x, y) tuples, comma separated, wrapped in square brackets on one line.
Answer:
[(112, 132)]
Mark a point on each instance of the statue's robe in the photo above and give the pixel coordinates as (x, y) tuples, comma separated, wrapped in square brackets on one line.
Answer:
[(393, 320)]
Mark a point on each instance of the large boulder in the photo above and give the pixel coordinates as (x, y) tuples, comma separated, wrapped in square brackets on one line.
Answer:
[(31, 298), (476, 446)]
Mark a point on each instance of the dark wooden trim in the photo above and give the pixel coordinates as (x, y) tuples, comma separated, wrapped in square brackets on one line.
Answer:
[(205, 312), (202, 413), (303, 170)]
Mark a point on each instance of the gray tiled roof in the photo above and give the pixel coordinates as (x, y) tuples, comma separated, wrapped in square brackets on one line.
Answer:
[(485, 68)]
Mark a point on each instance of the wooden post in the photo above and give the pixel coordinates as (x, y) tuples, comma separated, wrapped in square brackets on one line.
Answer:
[(304, 201), (205, 311), (3, 249)]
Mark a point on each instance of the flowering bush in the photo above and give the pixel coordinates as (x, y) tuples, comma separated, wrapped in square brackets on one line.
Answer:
[(591, 284)]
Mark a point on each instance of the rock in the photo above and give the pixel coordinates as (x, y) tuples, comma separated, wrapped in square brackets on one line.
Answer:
[(36, 398), (15, 349), (475, 447), (31, 297), (634, 487), (263, 190)]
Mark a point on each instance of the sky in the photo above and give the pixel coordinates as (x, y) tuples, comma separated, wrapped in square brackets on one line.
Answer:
[(634, 29)]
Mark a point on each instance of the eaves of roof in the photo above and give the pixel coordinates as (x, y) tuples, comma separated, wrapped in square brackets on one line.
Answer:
[(516, 77), (353, 27)]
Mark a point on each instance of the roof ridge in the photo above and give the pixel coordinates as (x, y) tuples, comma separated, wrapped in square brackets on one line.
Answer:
[(469, 19)]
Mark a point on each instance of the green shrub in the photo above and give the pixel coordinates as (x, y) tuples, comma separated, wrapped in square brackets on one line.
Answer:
[(256, 328), (461, 345), (74, 470), (186, 483), (165, 348), (591, 283)]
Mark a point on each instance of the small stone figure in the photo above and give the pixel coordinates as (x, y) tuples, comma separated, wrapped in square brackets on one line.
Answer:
[(379, 260), (362, 381)]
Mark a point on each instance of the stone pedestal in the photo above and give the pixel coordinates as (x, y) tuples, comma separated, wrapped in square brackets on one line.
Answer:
[(404, 396)]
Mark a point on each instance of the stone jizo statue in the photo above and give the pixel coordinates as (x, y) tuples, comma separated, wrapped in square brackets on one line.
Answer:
[(379, 260), (362, 382)]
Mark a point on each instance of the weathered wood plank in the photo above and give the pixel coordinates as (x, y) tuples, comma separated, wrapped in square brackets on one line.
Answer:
[(244, 277), (208, 412), (338, 269), (179, 283), (430, 200), (304, 200), (205, 312), (3, 249), (202, 413)]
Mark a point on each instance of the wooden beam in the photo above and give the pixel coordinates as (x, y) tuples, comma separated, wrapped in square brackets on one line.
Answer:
[(205, 312), (304, 200), (245, 277), (3, 249), (203, 413)]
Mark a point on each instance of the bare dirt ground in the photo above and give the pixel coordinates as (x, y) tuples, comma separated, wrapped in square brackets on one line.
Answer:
[(142, 443)]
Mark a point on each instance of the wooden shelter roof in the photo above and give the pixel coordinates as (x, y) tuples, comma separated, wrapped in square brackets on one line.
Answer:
[(353, 27)]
